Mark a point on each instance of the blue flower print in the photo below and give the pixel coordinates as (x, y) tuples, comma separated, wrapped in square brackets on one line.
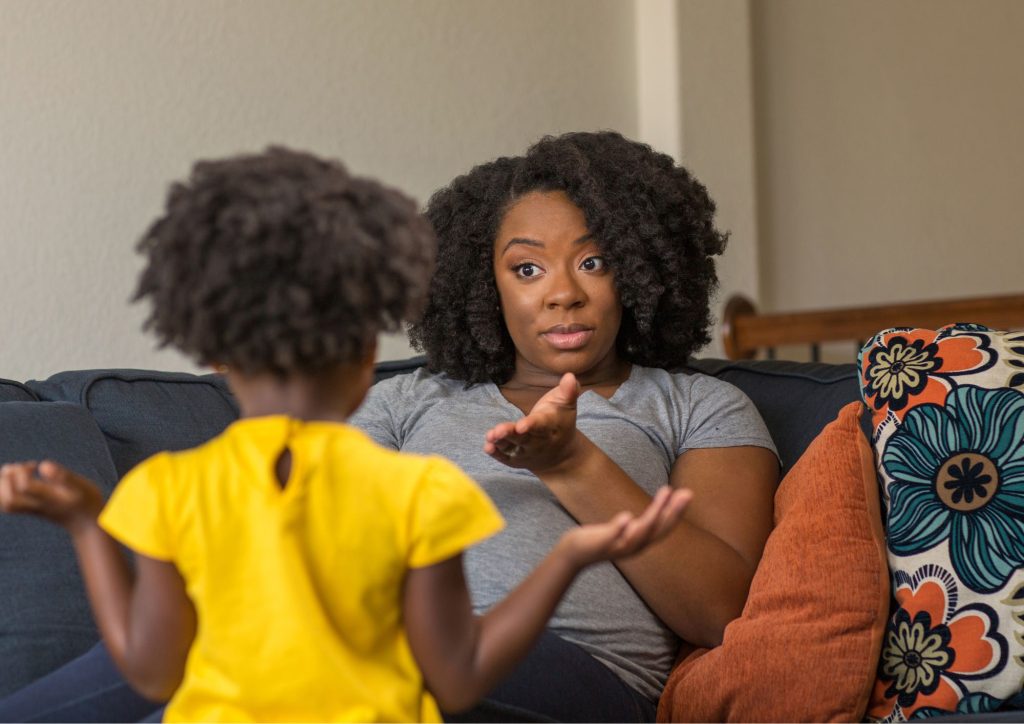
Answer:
[(958, 474), (975, 703)]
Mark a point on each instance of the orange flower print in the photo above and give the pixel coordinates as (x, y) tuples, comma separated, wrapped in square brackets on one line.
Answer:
[(932, 649), (903, 368)]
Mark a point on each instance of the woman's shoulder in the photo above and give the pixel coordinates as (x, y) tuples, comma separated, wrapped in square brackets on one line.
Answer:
[(684, 380), (718, 413), (699, 396)]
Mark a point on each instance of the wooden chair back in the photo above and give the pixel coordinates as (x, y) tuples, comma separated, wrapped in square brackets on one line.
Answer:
[(745, 331)]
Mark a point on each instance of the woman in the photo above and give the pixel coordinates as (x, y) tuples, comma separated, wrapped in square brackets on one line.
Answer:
[(569, 281), (590, 255)]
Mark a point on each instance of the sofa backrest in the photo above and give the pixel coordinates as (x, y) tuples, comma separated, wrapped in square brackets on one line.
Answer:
[(795, 399), (142, 412), (11, 391)]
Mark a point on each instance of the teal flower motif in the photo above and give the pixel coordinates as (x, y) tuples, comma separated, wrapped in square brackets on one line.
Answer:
[(958, 475), (974, 703)]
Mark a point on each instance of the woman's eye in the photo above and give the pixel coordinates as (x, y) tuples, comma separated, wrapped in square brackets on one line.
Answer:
[(526, 270), (593, 263)]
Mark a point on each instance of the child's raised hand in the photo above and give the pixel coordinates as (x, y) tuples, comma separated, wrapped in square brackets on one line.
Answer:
[(50, 491), (627, 534), (540, 439)]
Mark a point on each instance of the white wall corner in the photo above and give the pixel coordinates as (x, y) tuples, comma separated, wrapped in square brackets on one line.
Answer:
[(716, 108), (657, 69)]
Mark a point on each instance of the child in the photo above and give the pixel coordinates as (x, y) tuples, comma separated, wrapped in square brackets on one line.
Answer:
[(291, 569)]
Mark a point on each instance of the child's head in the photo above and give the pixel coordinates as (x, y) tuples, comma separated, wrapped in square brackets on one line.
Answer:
[(283, 262)]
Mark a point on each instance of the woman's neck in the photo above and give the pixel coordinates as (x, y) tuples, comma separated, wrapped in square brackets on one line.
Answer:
[(604, 378)]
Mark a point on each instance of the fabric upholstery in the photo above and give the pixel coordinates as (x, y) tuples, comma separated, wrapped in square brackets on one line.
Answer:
[(46, 618), (807, 642), (948, 417), (144, 412), (11, 391)]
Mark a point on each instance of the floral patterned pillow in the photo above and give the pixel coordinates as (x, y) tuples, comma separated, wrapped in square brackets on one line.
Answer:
[(948, 433)]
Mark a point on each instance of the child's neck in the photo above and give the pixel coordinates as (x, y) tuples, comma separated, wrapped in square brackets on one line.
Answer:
[(331, 395)]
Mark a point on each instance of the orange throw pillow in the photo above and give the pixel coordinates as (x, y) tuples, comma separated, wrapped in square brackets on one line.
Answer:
[(807, 644)]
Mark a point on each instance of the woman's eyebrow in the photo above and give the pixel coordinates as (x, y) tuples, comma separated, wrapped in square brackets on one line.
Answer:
[(539, 244), (522, 240)]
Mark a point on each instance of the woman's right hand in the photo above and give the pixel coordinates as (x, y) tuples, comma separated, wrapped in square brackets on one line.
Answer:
[(50, 491), (626, 534), (544, 438)]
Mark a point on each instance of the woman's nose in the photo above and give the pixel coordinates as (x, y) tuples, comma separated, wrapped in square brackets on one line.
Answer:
[(564, 291)]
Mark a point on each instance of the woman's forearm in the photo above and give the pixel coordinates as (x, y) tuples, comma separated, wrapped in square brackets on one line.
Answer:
[(463, 656), (693, 580)]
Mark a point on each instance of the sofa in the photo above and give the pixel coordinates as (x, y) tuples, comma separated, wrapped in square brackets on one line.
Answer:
[(102, 422)]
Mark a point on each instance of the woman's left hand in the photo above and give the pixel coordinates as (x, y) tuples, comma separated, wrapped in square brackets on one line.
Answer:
[(543, 439)]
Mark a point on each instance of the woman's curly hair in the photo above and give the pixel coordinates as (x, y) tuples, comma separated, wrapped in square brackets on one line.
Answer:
[(652, 220), (282, 262)]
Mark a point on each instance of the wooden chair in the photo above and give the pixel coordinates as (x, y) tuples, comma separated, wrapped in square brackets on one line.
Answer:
[(745, 332)]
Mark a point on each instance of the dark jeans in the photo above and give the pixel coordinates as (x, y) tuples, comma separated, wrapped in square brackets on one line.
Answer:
[(558, 681), (86, 689)]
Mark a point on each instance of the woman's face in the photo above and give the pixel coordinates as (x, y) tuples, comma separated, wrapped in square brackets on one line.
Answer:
[(557, 293)]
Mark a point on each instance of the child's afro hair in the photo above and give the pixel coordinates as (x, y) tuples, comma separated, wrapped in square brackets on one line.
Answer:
[(652, 220), (282, 262)]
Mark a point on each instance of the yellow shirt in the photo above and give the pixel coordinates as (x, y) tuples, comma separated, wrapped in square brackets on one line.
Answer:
[(298, 590)]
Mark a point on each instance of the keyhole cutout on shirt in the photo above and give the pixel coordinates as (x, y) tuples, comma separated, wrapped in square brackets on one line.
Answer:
[(283, 467)]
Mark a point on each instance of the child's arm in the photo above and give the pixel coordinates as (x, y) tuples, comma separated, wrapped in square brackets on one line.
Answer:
[(463, 656), (147, 623)]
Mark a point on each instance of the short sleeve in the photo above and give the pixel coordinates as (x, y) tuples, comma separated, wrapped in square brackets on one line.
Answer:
[(136, 515), (449, 513), (723, 416)]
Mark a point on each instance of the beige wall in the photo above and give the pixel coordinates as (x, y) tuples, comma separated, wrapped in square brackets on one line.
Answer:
[(859, 151), (717, 121), (103, 102), (695, 102), (890, 149)]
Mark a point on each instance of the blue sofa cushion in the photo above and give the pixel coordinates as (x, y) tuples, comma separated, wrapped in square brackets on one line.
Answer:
[(11, 391), (46, 617), (142, 412)]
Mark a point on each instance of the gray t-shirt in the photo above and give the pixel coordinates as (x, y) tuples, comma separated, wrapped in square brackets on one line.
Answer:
[(652, 418)]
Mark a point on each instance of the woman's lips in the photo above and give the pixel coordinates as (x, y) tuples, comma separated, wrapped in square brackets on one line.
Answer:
[(568, 340)]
